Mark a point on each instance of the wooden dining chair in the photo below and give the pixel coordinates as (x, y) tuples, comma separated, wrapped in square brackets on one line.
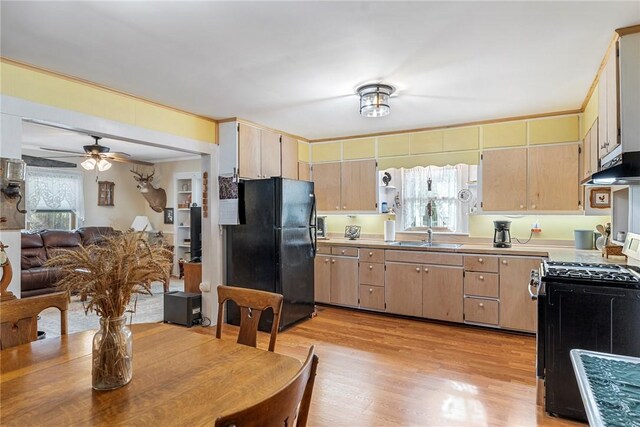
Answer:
[(251, 304), (289, 406), (19, 317)]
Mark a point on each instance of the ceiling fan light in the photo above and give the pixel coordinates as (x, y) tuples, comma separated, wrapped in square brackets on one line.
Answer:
[(89, 164), (374, 99), (104, 165)]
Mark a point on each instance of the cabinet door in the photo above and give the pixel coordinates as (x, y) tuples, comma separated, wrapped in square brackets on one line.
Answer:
[(344, 281), (504, 179), (593, 152), (289, 157), (270, 153), (554, 178), (403, 289), (517, 309), (442, 293), (322, 279), (602, 113), (248, 151), (304, 172), (326, 177), (612, 101), (359, 185), (585, 159)]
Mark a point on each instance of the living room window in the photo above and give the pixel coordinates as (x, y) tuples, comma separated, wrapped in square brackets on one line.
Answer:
[(54, 199)]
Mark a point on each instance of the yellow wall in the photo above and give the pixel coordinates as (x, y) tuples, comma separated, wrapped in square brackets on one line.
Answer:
[(590, 114), (453, 145), (62, 92), (554, 227)]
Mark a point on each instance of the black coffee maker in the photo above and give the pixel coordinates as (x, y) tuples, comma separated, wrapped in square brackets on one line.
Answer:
[(501, 234)]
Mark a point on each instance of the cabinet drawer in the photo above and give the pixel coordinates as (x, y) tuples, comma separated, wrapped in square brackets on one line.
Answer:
[(371, 255), (423, 257), (344, 250), (324, 250), (371, 274), (481, 284), (481, 263), (479, 310), (372, 297)]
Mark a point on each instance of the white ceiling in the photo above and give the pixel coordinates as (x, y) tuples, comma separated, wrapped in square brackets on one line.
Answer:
[(35, 137), (294, 65)]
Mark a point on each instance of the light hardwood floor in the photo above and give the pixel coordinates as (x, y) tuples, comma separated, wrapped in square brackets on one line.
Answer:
[(377, 370)]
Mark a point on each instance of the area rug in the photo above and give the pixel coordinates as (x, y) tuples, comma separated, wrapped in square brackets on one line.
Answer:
[(149, 308)]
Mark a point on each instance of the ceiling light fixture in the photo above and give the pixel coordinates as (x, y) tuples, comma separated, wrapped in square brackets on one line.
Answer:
[(91, 164), (374, 99)]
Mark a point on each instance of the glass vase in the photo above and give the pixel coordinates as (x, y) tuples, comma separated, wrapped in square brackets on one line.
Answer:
[(112, 354)]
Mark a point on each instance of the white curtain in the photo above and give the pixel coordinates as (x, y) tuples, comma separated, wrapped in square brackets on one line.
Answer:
[(447, 211), (51, 189)]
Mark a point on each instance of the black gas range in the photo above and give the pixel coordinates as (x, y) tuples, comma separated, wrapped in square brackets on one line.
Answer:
[(589, 306)]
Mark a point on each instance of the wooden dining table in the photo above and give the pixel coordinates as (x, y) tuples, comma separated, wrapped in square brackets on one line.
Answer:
[(180, 377)]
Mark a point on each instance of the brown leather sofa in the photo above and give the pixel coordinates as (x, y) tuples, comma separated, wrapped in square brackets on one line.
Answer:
[(39, 246)]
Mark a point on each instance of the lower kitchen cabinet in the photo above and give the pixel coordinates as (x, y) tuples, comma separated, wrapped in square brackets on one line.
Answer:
[(403, 289), (517, 309), (442, 293), (479, 310), (372, 297), (344, 281), (322, 279)]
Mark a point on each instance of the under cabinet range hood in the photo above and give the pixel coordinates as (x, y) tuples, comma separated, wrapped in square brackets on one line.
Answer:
[(622, 165)]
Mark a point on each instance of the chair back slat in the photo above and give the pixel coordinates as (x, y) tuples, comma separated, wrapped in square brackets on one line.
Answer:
[(252, 303), (288, 407)]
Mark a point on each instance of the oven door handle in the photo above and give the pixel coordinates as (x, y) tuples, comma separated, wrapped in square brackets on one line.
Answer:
[(534, 281)]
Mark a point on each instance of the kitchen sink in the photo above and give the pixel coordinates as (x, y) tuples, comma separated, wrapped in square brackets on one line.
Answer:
[(418, 244)]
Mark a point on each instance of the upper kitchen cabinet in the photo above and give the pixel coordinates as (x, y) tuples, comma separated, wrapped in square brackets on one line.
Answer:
[(346, 186), (608, 118), (248, 151), (504, 179), (553, 182), (289, 157), (590, 152)]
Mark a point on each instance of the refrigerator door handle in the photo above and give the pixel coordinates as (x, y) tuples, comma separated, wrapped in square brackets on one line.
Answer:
[(313, 213), (313, 230)]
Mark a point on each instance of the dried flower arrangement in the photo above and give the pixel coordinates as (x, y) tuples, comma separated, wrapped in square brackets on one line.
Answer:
[(107, 276)]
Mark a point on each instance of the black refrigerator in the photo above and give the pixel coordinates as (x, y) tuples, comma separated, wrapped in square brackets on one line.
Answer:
[(273, 247)]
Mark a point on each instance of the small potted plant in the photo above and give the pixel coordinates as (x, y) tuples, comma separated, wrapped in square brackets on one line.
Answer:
[(107, 276)]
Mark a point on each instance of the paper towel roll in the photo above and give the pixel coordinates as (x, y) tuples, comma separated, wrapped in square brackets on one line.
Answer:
[(389, 231)]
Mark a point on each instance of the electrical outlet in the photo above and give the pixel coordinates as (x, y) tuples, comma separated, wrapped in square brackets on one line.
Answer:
[(535, 228), (204, 287)]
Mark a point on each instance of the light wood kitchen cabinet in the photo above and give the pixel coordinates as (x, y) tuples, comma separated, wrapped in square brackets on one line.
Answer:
[(346, 186), (289, 149), (359, 185), (553, 178), (371, 274), (304, 171), (442, 293), (517, 309), (322, 279), (590, 152), (403, 289), (608, 116), (249, 161), (372, 297), (480, 310), (504, 179), (270, 153), (344, 281), (326, 177)]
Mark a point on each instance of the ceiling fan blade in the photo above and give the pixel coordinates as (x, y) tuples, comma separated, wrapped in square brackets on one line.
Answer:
[(61, 157), (62, 151), (119, 154), (121, 160)]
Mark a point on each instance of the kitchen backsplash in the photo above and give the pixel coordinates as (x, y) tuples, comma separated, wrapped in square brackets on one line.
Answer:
[(554, 227)]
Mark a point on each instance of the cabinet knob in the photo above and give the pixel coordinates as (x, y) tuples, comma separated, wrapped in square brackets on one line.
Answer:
[(426, 270), (370, 290), (326, 260), (533, 206), (504, 261), (333, 261), (371, 267), (337, 207), (418, 269), (344, 207), (370, 253), (480, 260), (481, 304), (342, 252), (521, 206), (481, 277)]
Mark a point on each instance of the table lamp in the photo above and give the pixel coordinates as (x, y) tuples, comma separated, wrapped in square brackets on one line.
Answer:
[(142, 223)]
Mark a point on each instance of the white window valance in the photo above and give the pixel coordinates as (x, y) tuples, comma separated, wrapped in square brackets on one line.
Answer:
[(59, 190)]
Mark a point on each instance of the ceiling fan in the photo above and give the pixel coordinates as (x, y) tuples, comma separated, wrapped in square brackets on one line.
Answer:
[(98, 156)]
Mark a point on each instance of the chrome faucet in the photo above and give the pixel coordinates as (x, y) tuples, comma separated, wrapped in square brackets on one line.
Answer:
[(429, 238)]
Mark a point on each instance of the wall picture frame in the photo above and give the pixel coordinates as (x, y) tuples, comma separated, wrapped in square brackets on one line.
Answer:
[(106, 190), (168, 215), (600, 198)]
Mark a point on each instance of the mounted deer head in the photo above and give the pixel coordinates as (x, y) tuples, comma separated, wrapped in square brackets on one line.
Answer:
[(156, 197)]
